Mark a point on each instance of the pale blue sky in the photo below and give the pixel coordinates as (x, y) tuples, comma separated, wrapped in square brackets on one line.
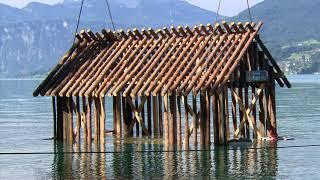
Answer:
[(228, 7)]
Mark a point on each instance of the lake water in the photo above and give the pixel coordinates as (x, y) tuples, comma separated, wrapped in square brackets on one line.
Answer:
[(25, 121)]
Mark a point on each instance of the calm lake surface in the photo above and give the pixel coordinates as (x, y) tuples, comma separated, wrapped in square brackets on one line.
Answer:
[(26, 121)]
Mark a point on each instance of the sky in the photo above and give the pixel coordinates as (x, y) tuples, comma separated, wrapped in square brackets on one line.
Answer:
[(228, 7)]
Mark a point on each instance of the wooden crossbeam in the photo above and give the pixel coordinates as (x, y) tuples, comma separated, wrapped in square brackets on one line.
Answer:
[(247, 112), (137, 115)]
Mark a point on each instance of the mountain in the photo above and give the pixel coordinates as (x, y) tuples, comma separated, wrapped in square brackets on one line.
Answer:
[(291, 31), (33, 38)]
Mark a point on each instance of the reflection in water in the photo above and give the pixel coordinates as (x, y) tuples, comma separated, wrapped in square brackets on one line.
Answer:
[(146, 160)]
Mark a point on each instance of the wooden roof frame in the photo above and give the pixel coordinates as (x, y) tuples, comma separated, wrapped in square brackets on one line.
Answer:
[(148, 62)]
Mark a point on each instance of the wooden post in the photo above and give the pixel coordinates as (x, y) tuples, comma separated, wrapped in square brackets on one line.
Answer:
[(246, 105), (160, 116), (254, 111), (272, 105), (179, 133), (172, 119), (202, 117), (126, 122), (96, 112), (137, 123), (59, 118), (84, 119), (215, 117), (54, 118), (155, 116), (234, 112), (149, 116), (117, 115), (65, 118), (208, 119), (195, 120), (222, 118), (143, 116), (88, 118), (227, 127), (240, 112), (186, 122), (70, 120), (78, 118), (102, 121), (166, 119)]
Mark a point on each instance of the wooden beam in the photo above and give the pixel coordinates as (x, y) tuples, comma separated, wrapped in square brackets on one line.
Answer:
[(149, 115), (78, 113), (208, 119), (203, 118), (59, 119), (166, 119)]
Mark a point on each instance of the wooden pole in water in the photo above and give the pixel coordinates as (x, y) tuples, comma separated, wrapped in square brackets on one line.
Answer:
[(160, 115), (195, 119), (202, 117), (208, 119), (96, 112), (118, 115), (88, 118), (78, 118), (222, 118), (102, 121), (149, 116), (215, 117), (186, 122), (59, 118), (137, 123), (179, 133), (65, 117), (227, 127), (246, 105), (172, 119), (166, 119), (70, 120), (272, 104), (143, 115), (155, 116), (126, 123), (54, 118), (84, 119)]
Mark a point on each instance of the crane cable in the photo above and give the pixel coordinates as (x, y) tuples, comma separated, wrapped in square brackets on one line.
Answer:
[(110, 15), (249, 11), (218, 9), (78, 21), (79, 18)]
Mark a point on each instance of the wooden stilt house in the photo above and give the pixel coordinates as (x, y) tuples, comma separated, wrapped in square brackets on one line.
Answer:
[(226, 67)]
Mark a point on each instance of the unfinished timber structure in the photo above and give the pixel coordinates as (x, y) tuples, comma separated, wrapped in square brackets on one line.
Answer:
[(154, 79)]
